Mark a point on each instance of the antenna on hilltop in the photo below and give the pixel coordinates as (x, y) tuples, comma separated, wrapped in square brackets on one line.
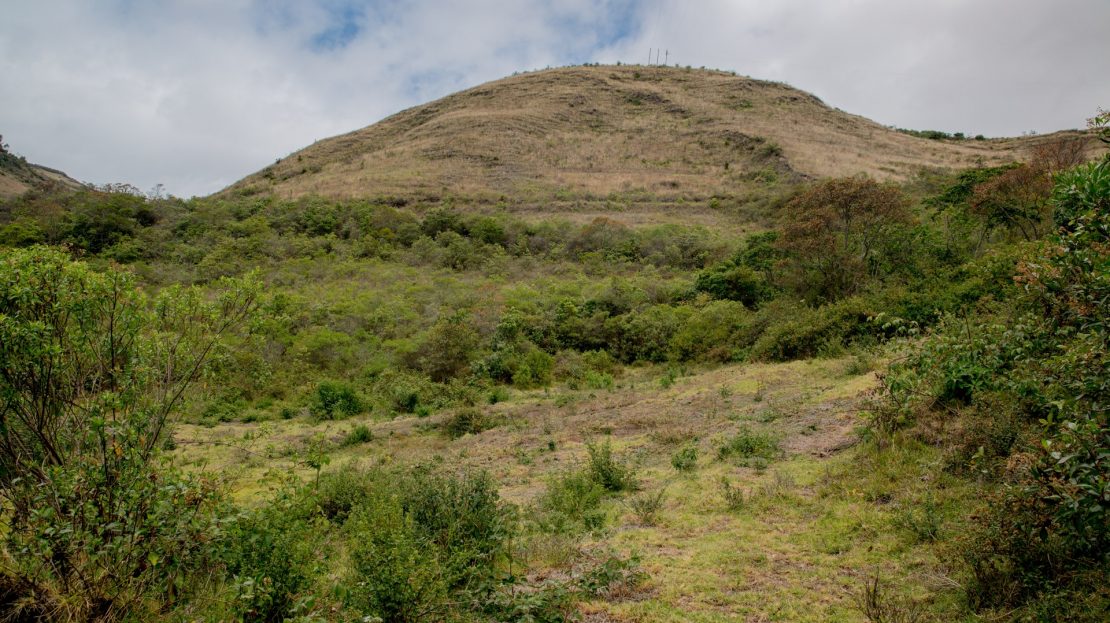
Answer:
[(649, 56), (666, 57)]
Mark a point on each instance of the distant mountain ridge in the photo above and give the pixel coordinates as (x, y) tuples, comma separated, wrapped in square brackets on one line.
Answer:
[(605, 131)]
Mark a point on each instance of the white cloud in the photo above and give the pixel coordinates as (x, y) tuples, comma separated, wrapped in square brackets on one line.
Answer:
[(197, 94)]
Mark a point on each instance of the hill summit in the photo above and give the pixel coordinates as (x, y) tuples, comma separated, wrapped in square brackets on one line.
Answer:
[(600, 130)]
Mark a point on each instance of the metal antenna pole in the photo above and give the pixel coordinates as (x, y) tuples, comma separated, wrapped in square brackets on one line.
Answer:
[(667, 57)]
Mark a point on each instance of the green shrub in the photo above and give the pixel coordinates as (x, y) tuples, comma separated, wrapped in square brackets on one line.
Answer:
[(270, 556), (420, 540), (22, 233), (396, 571), (91, 373), (335, 400), (520, 362), (358, 435), (447, 349), (590, 369), (338, 492), (1023, 383), (604, 469), (462, 514), (707, 334), (532, 368), (468, 421), (644, 335), (733, 282), (810, 332), (685, 459), (570, 503), (405, 392), (747, 444)]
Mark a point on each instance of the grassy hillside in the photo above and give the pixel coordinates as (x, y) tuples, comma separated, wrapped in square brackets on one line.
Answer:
[(624, 134), (835, 399)]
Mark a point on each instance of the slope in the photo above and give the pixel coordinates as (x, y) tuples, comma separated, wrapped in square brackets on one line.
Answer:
[(612, 132), (17, 176)]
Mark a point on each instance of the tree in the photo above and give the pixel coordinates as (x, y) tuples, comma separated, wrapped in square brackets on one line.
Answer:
[(91, 371), (836, 233), (1019, 199)]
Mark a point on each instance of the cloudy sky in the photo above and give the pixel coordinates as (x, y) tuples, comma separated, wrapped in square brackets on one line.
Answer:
[(195, 94)]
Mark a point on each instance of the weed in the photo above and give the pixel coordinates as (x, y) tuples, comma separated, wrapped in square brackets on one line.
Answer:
[(607, 471), (571, 503), (768, 415), (735, 497), (498, 394), (358, 435), (860, 363), (780, 486), (922, 521), (877, 603), (646, 506), (685, 459), (747, 444)]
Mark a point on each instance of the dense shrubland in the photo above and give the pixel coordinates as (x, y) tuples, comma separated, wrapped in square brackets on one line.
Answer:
[(412, 308), (1015, 390), (990, 283)]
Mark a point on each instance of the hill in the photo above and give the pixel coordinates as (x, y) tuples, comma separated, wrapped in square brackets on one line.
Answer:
[(17, 176), (612, 132)]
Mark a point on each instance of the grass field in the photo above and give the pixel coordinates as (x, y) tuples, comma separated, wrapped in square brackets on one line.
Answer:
[(806, 528)]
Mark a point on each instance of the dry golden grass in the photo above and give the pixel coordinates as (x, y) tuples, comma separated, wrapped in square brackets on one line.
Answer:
[(624, 134)]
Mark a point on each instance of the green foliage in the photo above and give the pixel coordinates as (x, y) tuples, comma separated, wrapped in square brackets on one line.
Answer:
[(747, 444), (91, 372), (22, 233), (607, 471), (960, 192), (591, 369), (270, 558), (685, 459), (735, 498), (734, 283), (447, 349), (467, 421), (358, 435), (933, 135), (395, 571), (571, 503), (335, 400), (420, 541), (924, 520), (803, 332), (1027, 381), (646, 506), (644, 335)]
